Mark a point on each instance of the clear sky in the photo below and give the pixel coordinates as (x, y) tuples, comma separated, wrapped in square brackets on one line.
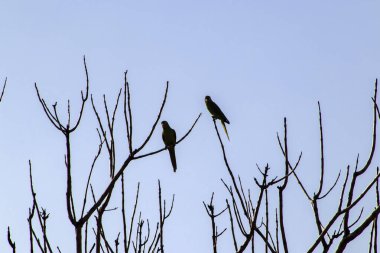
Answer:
[(259, 60)]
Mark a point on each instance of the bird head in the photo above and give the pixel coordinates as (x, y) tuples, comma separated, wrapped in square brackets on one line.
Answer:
[(207, 98), (164, 124)]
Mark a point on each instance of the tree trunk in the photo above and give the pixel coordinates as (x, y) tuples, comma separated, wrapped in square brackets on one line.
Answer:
[(78, 234)]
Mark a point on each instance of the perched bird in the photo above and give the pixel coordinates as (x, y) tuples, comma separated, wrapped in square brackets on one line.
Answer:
[(217, 113), (169, 137)]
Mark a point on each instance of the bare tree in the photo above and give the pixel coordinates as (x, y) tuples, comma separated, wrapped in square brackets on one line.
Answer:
[(334, 233), (248, 209), (80, 217)]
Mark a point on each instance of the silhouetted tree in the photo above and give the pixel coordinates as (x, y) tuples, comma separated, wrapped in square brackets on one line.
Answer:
[(249, 218), (334, 233), (140, 228)]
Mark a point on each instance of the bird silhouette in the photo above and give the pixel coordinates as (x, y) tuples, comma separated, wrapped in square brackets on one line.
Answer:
[(217, 113), (169, 137)]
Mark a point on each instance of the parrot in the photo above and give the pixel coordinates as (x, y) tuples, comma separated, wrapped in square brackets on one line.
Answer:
[(217, 113), (169, 137)]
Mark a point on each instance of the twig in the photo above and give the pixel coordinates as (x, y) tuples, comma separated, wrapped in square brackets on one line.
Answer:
[(10, 242)]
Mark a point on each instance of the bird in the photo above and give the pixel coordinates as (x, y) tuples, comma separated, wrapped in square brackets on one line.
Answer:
[(217, 113), (169, 137)]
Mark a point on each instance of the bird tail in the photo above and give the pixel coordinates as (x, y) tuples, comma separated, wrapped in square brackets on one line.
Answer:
[(225, 129), (172, 158)]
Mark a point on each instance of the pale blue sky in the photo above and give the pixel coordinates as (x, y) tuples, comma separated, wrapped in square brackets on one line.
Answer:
[(259, 60)]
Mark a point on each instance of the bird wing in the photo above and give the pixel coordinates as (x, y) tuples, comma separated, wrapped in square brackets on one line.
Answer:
[(169, 137), (217, 112)]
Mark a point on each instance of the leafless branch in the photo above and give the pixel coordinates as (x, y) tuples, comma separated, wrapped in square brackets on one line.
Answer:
[(3, 90), (179, 141), (10, 242)]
